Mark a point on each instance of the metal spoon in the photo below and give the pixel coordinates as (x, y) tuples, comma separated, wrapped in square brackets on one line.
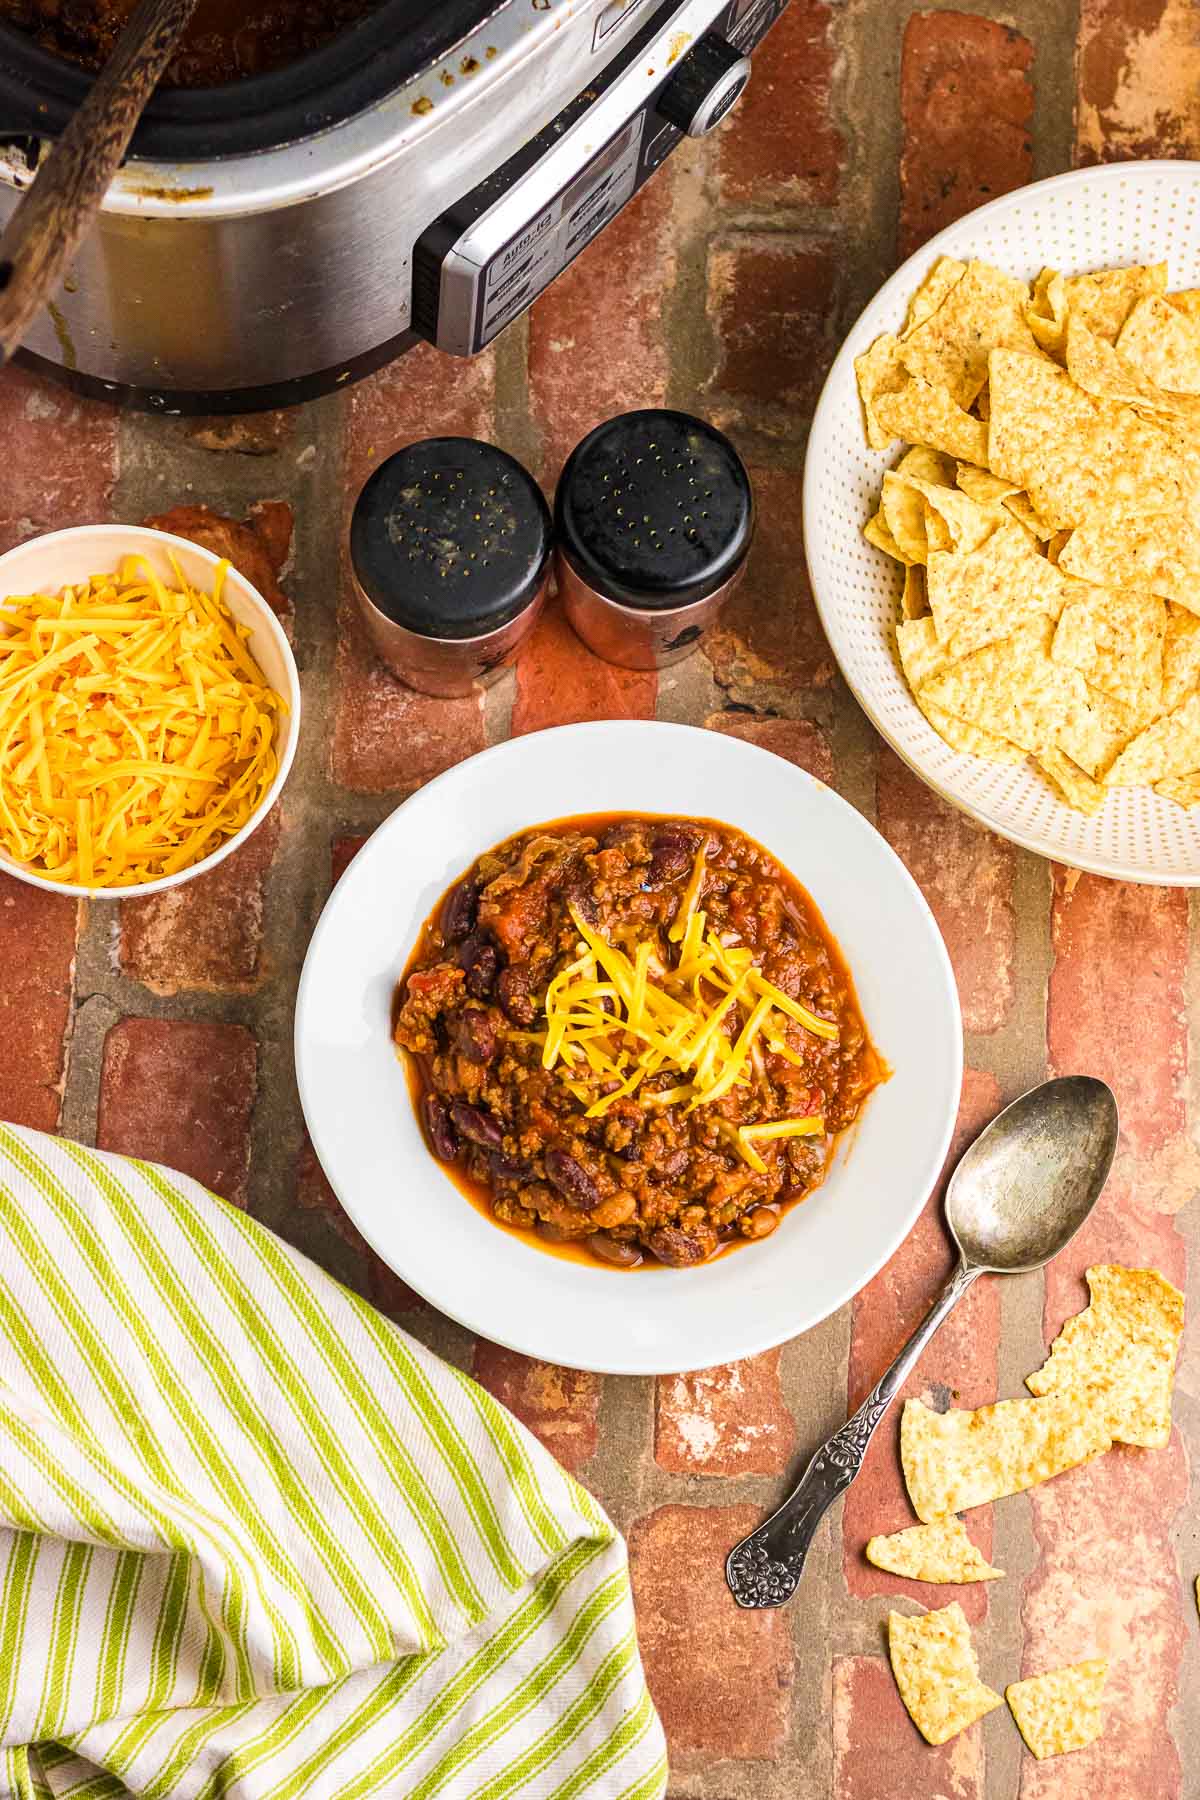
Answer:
[(1017, 1197), (57, 212)]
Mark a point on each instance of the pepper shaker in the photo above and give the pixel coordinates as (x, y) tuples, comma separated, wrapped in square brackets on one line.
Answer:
[(450, 543), (654, 516)]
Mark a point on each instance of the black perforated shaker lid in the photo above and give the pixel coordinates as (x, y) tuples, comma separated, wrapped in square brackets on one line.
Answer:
[(655, 509), (451, 538)]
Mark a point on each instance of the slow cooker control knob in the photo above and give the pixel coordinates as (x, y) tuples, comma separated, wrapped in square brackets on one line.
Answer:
[(709, 81)]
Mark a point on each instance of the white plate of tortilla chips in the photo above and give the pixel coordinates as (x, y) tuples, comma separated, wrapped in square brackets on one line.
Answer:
[(1021, 621)]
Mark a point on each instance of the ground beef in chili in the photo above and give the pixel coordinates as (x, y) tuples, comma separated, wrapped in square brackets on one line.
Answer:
[(643, 1177)]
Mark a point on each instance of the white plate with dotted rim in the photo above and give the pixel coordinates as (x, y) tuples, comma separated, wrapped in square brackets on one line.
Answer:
[(1093, 218), (500, 1284)]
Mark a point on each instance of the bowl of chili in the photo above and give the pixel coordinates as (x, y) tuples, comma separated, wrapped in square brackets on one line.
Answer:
[(630, 1046)]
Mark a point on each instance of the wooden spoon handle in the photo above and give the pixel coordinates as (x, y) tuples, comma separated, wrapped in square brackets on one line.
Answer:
[(56, 212)]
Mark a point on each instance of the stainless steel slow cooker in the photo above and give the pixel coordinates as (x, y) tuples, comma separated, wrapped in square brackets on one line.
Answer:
[(426, 174)]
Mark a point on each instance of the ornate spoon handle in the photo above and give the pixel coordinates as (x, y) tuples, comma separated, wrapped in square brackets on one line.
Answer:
[(764, 1569)]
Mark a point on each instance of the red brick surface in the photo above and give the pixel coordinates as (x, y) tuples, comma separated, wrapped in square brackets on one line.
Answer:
[(1116, 1005), (769, 629), (966, 874), (60, 458), (207, 934), (181, 1092), (730, 1420), (597, 342), (966, 98), (798, 741), (1138, 70), (314, 1195), (958, 1369), (37, 956), (781, 145), (258, 546), (876, 1748), (560, 682), (771, 303), (560, 1406), (721, 1677)]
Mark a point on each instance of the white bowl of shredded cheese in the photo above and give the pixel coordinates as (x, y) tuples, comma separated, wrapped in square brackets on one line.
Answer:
[(149, 711)]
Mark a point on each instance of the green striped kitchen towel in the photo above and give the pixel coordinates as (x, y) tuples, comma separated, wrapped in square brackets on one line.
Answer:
[(256, 1543)]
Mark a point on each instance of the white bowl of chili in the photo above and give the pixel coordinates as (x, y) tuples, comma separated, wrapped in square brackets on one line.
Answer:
[(236, 711), (501, 1282)]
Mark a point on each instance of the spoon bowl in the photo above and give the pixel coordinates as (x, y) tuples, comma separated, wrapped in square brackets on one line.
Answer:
[(1027, 1183)]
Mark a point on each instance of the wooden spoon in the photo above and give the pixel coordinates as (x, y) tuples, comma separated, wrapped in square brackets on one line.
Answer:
[(56, 212)]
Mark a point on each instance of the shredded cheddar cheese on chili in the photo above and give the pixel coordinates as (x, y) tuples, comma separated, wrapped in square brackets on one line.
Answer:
[(137, 732), (620, 1019)]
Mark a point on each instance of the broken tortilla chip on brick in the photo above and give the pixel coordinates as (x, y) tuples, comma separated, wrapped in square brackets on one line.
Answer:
[(958, 1459), (937, 1672), (1060, 1710), (938, 1552), (1118, 1355)]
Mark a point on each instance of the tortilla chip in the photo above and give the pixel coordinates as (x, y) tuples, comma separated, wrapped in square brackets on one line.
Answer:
[(1100, 370), (1184, 790), (1158, 551), (1114, 637), (932, 291), (984, 487), (1072, 453), (981, 406), (1022, 509), (958, 1459), (1070, 782), (983, 311), (922, 464), (1171, 746), (941, 1552), (903, 509), (1163, 344), (879, 372), (967, 524), (1181, 657), (979, 595), (1046, 314), (925, 415), (921, 656), (1098, 727), (1057, 544), (876, 532), (1104, 301), (1186, 301), (1060, 1710), (1011, 687), (914, 602), (1118, 1356), (937, 1672)]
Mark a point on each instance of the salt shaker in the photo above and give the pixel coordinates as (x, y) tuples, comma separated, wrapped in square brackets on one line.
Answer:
[(450, 543), (653, 517)]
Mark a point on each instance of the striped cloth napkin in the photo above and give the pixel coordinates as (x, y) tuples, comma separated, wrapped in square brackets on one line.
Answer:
[(257, 1544)]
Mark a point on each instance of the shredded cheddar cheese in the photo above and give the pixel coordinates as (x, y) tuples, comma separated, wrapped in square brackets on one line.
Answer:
[(614, 1020), (137, 732)]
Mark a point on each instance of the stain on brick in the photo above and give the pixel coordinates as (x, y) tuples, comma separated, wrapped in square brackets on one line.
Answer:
[(560, 1406), (780, 145), (37, 953), (958, 1368), (1137, 70), (720, 1677), (770, 631), (181, 1092), (877, 1750), (798, 741), (596, 340), (966, 101), (1116, 1006), (560, 682), (966, 874), (60, 458), (728, 1420), (772, 306), (205, 936)]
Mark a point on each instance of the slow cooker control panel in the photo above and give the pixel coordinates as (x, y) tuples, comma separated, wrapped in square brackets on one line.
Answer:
[(485, 259)]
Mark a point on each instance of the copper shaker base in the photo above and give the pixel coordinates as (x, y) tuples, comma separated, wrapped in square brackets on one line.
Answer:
[(633, 637)]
